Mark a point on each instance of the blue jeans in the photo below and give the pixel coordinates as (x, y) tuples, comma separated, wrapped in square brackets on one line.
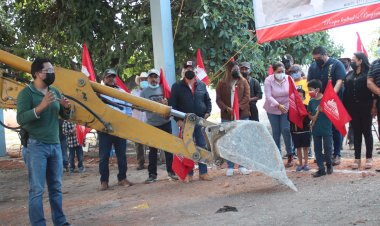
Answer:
[(230, 164), (63, 142), (327, 148), (337, 140), (201, 142), (105, 145), (44, 162), (280, 125), (78, 150)]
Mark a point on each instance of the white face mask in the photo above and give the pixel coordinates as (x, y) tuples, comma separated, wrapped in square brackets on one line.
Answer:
[(279, 76)]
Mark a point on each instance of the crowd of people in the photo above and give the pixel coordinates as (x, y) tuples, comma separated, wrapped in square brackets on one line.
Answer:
[(355, 80)]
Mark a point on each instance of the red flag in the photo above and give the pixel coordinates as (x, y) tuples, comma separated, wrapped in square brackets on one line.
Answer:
[(81, 133), (181, 165), (270, 70), (297, 110), (334, 109), (87, 68), (235, 106), (360, 46), (201, 70), (121, 84), (164, 84)]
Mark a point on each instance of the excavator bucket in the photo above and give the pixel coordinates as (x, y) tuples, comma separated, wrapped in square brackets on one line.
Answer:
[(249, 144)]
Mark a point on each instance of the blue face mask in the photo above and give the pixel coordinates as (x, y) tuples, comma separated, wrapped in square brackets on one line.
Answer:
[(296, 75), (144, 84), (378, 51), (154, 87)]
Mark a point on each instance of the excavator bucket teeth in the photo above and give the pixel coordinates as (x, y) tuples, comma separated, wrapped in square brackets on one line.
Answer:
[(249, 144)]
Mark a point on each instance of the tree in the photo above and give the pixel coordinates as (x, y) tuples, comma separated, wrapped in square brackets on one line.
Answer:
[(122, 29)]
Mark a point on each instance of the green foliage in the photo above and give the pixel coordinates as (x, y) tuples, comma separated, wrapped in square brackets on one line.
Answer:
[(122, 29), (372, 50)]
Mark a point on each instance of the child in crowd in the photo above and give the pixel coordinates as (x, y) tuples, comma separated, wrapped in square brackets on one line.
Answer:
[(301, 139), (321, 129), (69, 129)]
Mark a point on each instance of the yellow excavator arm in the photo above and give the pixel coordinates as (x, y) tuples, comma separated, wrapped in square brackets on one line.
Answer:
[(246, 143), (90, 111)]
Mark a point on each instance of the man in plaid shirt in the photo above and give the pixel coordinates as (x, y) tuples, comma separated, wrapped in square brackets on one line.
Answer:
[(69, 129)]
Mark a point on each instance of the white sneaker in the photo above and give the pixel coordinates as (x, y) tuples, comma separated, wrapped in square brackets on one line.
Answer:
[(244, 171), (230, 172)]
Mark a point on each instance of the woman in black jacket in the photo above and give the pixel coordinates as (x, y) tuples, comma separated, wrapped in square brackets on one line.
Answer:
[(358, 101)]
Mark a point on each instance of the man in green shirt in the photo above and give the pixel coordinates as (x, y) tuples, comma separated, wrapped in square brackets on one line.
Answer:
[(38, 107)]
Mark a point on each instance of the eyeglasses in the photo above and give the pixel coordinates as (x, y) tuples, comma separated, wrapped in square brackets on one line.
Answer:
[(49, 70)]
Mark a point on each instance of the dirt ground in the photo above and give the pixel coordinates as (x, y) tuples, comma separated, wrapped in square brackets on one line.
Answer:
[(343, 198)]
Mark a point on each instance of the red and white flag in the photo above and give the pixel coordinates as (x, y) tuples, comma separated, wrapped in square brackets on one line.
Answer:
[(201, 70), (87, 68), (164, 84), (297, 110), (359, 45), (121, 84), (235, 106), (334, 109), (81, 133)]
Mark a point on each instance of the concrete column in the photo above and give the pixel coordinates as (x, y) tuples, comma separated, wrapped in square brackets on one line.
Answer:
[(3, 151), (163, 38), (162, 35)]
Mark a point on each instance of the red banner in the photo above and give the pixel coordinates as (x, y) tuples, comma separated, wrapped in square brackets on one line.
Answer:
[(334, 109), (298, 17), (297, 110)]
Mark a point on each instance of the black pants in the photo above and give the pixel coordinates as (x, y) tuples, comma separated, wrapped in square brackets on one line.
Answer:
[(254, 112), (152, 167), (362, 124)]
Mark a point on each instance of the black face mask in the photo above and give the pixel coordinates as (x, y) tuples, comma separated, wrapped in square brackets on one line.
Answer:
[(235, 74), (49, 79), (320, 62), (245, 74), (189, 75), (354, 66)]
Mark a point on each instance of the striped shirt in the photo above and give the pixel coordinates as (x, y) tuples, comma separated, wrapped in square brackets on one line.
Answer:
[(71, 134), (374, 72)]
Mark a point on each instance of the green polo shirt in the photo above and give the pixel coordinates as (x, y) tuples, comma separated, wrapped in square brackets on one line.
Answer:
[(45, 127)]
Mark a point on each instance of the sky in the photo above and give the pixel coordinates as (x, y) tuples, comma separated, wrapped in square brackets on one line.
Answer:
[(346, 35)]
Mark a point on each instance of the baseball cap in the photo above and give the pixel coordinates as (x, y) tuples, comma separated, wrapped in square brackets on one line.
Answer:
[(189, 63), (295, 68), (109, 72), (153, 71), (246, 65)]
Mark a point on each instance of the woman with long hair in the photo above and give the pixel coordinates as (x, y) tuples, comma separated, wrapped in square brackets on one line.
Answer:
[(233, 82), (357, 99)]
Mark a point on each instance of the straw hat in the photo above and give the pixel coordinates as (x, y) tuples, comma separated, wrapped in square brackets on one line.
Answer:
[(142, 75)]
